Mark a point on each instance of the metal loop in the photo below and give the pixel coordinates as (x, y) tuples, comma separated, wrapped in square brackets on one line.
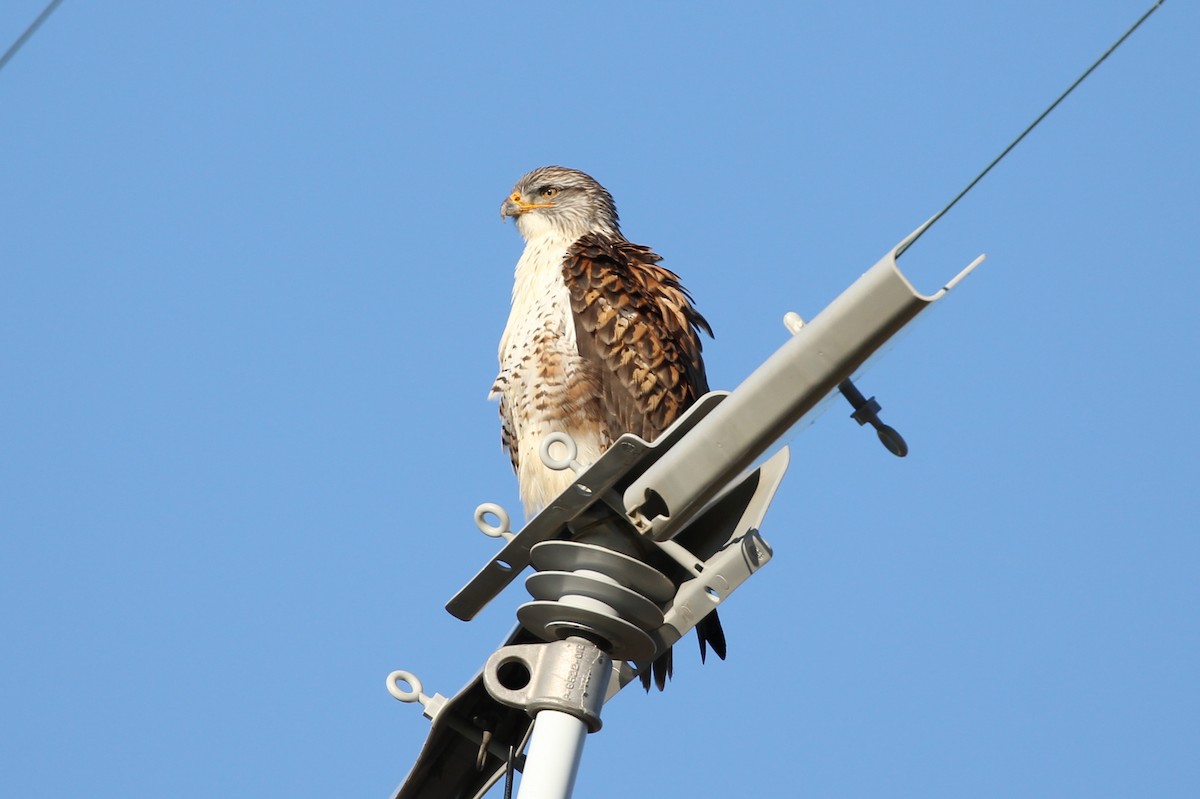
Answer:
[(393, 686), (501, 529), (558, 464)]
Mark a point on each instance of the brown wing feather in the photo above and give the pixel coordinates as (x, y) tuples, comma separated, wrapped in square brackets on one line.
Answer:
[(636, 322)]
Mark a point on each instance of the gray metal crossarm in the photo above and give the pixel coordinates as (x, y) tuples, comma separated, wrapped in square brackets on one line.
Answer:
[(643, 545), (625, 459), (717, 553), (789, 384)]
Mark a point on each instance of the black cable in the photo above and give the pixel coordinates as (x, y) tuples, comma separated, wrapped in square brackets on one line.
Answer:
[(1032, 125), (24, 37), (508, 772)]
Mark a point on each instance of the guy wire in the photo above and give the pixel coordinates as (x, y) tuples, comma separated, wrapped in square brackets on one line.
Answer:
[(1032, 125)]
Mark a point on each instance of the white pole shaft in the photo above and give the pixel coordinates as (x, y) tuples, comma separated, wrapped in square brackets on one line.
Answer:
[(553, 759)]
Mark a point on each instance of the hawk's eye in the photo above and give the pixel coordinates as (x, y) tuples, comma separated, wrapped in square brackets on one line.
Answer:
[(547, 192)]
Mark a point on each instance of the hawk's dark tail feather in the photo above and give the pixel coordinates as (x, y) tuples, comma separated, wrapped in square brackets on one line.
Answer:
[(708, 633), (661, 668)]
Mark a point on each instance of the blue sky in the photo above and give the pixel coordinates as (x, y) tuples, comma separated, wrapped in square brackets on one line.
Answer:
[(253, 281)]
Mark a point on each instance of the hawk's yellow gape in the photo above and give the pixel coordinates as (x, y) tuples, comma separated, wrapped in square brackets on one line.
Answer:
[(524, 206)]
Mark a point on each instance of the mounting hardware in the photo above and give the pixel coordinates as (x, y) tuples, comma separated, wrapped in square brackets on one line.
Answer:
[(431, 705), (569, 676)]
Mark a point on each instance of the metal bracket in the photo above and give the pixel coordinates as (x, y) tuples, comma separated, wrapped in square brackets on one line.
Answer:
[(569, 676), (779, 393), (688, 501)]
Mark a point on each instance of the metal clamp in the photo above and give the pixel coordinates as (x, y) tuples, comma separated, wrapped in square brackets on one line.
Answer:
[(569, 676)]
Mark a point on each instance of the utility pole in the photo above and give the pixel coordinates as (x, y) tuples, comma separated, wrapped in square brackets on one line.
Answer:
[(599, 617)]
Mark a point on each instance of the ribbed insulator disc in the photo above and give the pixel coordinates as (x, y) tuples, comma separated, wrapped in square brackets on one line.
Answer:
[(569, 556), (556, 621), (628, 604)]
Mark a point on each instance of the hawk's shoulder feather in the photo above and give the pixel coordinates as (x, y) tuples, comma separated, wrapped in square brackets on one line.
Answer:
[(636, 322)]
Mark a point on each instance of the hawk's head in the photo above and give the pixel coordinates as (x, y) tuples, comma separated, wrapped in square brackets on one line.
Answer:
[(560, 201)]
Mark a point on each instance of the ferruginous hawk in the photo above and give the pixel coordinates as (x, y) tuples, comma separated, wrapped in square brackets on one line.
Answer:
[(601, 341)]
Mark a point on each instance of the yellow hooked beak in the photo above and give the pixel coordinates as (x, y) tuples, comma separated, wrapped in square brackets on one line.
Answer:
[(515, 206)]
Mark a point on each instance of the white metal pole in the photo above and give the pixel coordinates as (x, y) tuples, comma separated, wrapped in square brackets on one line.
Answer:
[(553, 758)]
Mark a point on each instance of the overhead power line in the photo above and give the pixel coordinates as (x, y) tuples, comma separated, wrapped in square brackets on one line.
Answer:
[(24, 37), (1032, 125)]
